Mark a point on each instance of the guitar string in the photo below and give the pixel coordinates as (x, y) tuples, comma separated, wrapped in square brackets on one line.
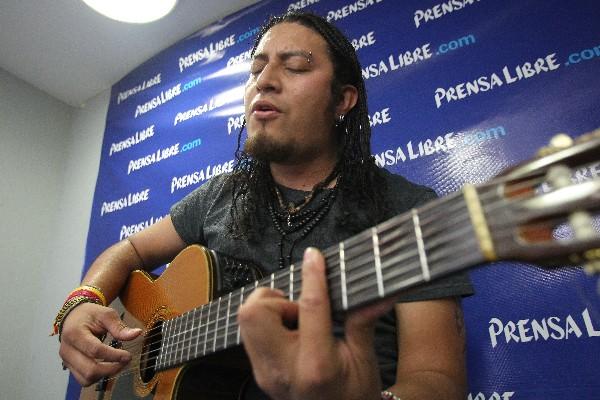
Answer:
[(210, 335), (235, 313), (282, 276), (217, 334), (216, 340), (187, 342), (325, 253), (216, 337), (367, 261), (423, 218)]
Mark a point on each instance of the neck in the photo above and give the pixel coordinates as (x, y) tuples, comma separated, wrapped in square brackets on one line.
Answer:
[(303, 176)]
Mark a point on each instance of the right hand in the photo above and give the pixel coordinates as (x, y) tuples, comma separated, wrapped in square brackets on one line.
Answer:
[(81, 349)]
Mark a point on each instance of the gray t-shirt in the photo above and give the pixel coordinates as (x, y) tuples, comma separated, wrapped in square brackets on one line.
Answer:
[(203, 217)]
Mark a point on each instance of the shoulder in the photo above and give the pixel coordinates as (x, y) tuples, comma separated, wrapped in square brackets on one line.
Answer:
[(211, 188), (214, 190), (407, 193)]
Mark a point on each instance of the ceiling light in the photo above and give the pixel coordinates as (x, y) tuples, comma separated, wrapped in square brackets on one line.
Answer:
[(135, 11)]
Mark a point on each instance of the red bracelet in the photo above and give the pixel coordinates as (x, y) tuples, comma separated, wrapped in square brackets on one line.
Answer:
[(82, 294)]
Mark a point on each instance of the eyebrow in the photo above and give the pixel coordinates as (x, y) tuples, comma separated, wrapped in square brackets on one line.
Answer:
[(285, 55)]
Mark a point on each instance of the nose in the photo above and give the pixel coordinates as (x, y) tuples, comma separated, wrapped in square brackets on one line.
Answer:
[(268, 80)]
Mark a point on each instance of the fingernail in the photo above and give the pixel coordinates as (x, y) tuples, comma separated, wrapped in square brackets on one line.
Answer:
[(310, 254)]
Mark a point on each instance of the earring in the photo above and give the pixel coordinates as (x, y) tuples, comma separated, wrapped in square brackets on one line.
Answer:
[(339, 119)]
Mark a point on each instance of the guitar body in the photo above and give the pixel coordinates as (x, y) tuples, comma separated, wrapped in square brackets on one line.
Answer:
[(187, 283)]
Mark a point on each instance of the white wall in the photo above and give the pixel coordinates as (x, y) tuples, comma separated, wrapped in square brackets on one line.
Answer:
[(49, 157)]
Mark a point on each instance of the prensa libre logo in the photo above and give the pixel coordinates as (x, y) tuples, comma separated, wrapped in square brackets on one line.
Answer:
[(122, 96), (129, 200), (551, 328), (128, 230), (350, 9), (439, 10), (486, 83), (205, 52)]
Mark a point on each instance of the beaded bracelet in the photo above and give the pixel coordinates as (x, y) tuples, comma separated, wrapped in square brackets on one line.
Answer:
[(82, 294), (88, 291), (387, 395)]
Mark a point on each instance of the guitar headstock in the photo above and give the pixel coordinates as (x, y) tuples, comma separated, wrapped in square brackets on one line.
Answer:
[(547, 208)]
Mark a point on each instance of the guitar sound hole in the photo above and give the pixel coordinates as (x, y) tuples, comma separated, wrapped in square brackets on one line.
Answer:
[(150, 350)]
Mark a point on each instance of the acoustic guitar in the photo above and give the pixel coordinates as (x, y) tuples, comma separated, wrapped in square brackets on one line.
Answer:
[(536, 211)]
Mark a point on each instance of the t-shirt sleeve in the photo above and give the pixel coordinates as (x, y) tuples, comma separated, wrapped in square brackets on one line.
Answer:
[(189, 214)]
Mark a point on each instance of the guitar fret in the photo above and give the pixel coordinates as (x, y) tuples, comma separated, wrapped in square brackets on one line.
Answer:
[(343, 277), (198, 334), (166, 338), (170, 342), (227, 320), (177, 338), (193, 312), (421, 246), (375, 238), (206, 330), (182, 336), (216, 325), (161, 352), (189, 334)]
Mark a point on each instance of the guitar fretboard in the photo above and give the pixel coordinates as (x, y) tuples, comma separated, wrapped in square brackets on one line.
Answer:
[(423, 244)]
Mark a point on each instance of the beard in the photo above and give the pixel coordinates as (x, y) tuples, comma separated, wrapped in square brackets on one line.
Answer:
[(263, 147)]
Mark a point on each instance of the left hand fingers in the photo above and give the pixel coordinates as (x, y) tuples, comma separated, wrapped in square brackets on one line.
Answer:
[(315, 311), (269, 344)]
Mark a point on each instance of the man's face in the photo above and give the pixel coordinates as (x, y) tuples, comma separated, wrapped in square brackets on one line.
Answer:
[(288, 101)]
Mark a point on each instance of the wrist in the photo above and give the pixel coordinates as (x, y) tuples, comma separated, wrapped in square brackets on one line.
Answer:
[(82, 294)]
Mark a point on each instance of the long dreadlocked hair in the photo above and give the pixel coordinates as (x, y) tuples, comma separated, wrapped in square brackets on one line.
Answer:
[(361, 184)]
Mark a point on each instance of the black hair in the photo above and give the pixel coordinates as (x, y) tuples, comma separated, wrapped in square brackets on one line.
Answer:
[(361, 185)]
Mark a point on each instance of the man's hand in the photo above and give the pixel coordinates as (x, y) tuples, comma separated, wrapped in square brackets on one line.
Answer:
[(310, 363), (83, 353)]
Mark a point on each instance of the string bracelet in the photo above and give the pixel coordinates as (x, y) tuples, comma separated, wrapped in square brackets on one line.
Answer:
[(88, 291), (387, 395), (82, 294)]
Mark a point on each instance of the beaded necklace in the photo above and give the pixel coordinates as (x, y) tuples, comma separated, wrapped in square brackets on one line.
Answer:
[(295, 221)]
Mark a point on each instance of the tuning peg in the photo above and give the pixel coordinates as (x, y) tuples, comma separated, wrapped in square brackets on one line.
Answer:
[(558, 142), (586, 137), (559, 176), (592, 267)]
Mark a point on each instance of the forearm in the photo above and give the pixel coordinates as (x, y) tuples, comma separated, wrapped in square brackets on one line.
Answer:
[(110, 270), (430, 385)]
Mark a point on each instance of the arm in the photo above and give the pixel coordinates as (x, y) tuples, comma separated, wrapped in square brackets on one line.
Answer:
[(81, 350), (431, 354)]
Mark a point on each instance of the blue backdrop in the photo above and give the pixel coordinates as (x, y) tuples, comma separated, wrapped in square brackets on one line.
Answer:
[(458, 90)]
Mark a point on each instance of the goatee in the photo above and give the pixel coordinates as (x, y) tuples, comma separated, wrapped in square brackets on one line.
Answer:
[(262, 147)]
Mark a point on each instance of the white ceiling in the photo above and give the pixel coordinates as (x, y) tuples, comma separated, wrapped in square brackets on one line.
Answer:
[(67, 50)]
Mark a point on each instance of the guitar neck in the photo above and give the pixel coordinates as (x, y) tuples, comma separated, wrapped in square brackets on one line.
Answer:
[(413, 248)]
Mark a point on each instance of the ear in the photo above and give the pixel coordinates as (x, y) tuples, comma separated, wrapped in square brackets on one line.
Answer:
[(348, 100)]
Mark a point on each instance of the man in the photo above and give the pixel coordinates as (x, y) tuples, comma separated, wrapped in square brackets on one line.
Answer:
[(306, 178)]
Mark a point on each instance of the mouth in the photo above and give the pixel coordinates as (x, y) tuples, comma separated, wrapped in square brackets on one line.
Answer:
[(264, 110)]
